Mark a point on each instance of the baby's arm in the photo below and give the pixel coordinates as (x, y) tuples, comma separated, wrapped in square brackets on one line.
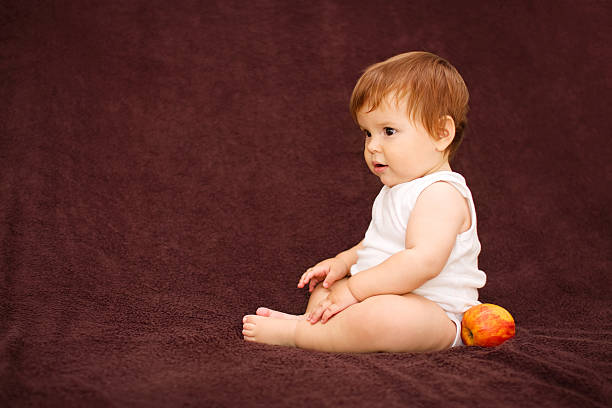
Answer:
[(330, 270), (439, 215)]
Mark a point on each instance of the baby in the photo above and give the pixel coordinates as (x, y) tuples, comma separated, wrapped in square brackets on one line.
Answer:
[(416, 271)]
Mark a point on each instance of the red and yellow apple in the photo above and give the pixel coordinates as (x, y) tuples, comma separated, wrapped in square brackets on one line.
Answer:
[(486, 325)]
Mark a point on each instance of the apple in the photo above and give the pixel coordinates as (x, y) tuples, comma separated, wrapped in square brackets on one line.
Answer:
[(486, 325)]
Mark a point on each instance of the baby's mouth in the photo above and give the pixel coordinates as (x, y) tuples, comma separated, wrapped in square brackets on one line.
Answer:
[(378, 167)]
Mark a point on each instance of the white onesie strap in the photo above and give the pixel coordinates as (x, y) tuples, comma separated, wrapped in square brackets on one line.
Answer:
[(455, 179)]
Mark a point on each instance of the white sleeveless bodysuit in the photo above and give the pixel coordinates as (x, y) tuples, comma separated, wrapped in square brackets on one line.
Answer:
[(455, 289)]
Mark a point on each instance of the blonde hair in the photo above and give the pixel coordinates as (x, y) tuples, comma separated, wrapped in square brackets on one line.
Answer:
[(433, 88)]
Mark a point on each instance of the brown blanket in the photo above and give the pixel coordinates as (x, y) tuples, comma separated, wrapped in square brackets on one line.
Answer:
[(167, 168)]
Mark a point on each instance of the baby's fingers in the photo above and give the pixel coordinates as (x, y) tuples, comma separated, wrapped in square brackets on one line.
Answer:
[(305, 278), (316, 314), (329, 312), (329, 280), (313, 283)]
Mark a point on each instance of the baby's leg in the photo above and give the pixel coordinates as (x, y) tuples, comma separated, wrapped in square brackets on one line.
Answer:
[(393, 323)]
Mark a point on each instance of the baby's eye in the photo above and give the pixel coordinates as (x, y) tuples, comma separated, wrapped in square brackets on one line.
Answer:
[(367, 133), (389, 131)]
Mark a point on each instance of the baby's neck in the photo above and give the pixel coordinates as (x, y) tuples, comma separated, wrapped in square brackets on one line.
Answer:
[(443, 166)]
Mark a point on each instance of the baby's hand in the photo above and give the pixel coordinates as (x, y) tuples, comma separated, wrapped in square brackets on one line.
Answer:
[(338, 299), (328, 271)]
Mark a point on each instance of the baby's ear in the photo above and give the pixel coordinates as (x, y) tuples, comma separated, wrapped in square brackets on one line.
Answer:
[(446, 133)]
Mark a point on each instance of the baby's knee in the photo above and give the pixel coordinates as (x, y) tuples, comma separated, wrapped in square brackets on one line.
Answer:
[(320, 292)]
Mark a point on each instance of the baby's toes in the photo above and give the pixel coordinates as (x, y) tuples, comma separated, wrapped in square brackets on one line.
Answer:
[(248, 329)]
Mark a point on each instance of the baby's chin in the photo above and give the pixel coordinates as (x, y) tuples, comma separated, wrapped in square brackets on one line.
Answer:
[(389, 182)]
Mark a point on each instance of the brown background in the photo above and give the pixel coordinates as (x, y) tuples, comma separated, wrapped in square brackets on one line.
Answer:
[(166, 168)]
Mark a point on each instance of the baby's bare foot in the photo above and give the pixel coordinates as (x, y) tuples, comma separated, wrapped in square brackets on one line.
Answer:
[(268, 330), (264, 311)]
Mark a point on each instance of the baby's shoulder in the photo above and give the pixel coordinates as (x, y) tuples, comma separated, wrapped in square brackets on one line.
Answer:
[(441, 191)]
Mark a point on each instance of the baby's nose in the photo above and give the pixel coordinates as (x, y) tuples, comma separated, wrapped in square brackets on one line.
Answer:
[(373, 146)]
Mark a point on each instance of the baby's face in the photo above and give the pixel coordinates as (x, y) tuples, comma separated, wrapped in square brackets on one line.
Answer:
[(396, 149)]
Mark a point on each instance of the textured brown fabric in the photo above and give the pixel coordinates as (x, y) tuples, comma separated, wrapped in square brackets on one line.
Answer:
[(167, 168)]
